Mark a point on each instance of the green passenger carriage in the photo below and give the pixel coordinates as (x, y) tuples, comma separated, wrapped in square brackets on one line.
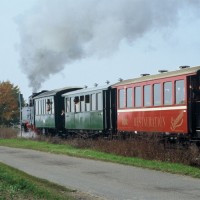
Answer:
[(90, 111), (48, 110)]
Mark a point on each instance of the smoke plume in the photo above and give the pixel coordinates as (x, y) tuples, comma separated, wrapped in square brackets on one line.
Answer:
[(57, 32)]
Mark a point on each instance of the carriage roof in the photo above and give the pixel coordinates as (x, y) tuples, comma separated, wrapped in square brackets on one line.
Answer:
[(87, 90), (56, 91), (186, 71)]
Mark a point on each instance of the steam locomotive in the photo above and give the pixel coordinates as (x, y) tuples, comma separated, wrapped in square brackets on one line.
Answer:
[(166, 103)]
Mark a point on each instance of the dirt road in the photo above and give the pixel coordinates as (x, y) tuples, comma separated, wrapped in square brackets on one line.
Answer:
[(106, 180)]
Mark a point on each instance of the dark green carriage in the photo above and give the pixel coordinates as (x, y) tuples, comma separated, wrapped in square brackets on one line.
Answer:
[(90, 111), (48, 110)]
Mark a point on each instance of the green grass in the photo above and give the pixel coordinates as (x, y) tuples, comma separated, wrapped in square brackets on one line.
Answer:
[(91, 154), (15, 184)]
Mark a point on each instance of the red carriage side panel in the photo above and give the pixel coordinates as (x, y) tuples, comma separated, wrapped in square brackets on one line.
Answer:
[(172, 119)]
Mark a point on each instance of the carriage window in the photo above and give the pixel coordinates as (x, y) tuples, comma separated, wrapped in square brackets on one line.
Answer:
[(168, 93), (72, 104), (82, 100), (36, 107), (39, 109), (41, 106), (129, 97), (122, 98), (67, 104), (93, 101), (99, 101), (156, 95), (180, 92), (52, 105), (87, 102), (138, 96), (77, 104), (147, 95), (48, 105), (44, 106)]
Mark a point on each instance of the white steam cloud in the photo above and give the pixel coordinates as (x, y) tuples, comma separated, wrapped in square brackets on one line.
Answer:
[(57, 32)]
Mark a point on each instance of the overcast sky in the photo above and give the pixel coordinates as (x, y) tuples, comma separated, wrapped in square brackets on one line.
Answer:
[(50, 44)]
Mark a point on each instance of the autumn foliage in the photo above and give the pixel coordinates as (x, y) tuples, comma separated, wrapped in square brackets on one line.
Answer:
[(9, 106)]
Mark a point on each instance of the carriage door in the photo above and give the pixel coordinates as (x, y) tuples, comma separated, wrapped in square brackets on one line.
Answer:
[(196, 100), (197, 113)]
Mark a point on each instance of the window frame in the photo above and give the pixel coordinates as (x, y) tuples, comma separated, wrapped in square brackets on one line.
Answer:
[(158, 92), (121, 98), (129, 98), (183, 100), (136, 100), (165, 100), (147, 100)]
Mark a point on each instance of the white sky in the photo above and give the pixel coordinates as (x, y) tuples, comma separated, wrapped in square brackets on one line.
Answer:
[(167, 48)]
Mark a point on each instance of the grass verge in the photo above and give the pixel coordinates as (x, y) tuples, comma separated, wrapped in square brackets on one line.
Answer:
[(92, 154), (15, 184)]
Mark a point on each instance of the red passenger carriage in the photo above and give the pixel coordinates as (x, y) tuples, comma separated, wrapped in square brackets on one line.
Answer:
[(163, 103)]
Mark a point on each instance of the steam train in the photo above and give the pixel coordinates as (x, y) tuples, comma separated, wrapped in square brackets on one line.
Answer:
[(166, 103)]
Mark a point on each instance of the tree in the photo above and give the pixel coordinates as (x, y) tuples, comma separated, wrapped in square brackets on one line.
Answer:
[(9, 105)]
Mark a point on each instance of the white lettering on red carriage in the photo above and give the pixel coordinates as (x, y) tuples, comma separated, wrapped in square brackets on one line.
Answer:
[(152, 122)]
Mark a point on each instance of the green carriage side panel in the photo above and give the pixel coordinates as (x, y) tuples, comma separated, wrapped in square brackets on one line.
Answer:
[(77, 120), (69, 121), (82, 120), (45, 121), (85, 121), (96, 120)]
